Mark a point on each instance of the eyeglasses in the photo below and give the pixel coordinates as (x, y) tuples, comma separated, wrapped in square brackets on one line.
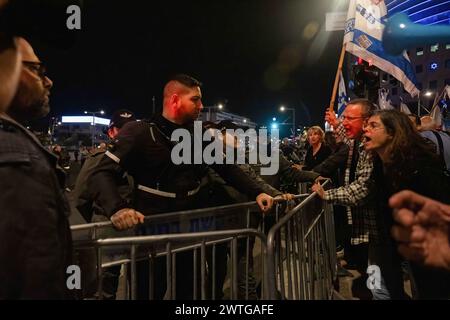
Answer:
[(37, 68), (372, 126), (351, 118)]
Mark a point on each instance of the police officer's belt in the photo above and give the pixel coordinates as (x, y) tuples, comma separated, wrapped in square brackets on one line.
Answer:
[(167, 194)]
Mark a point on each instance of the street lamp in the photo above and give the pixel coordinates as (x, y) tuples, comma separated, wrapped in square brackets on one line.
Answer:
[(283, 109), (93, 113)]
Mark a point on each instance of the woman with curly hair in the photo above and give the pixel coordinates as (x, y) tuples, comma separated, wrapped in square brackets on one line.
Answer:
[(405, 160)]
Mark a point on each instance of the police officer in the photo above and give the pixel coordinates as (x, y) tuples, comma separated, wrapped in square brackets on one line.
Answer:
[(143, 149), (84, 200), (35, 240), (92, 212)]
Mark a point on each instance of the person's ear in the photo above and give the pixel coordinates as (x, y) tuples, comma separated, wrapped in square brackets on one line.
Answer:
[(110, 133), (113, 132), (175, 101)]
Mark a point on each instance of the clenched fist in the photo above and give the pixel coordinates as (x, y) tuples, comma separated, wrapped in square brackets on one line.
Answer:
[(330, 117)]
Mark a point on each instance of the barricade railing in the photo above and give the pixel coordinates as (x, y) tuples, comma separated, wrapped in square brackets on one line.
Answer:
[(297, 238), (187, 220), (301, 252), (171, 246)]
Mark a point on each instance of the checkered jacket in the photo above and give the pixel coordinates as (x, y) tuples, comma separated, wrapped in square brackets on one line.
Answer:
[(357, 195)]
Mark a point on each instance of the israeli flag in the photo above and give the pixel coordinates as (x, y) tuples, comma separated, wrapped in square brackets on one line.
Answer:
[(342, 98), (363, 38), (404, 108), (447, 92)]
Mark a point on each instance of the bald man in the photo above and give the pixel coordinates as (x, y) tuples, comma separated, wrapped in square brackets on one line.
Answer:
[(35, 239), (143, 149)]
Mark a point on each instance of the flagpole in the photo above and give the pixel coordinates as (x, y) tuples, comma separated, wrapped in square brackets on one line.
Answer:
[(418, 106), (336, 80), (436, 100)]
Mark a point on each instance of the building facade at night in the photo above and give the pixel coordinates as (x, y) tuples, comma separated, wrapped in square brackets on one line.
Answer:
[(430, 63), (215, 114), (76, 131)]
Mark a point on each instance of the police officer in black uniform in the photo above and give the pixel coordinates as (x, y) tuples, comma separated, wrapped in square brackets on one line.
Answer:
[(89, 211), (144, 149)]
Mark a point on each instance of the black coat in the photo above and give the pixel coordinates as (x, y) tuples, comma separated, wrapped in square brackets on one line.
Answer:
[(334, 166), (313, 160), (35, 239)]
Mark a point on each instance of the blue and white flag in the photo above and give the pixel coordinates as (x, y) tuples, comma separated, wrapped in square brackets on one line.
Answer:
[(383, 102), (342, 98), (447, 92), (404, 108), (363, 38)]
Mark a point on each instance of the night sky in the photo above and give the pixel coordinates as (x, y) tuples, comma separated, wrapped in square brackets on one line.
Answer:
[(253, 55)]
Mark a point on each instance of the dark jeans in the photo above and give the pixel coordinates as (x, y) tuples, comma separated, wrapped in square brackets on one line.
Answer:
[(388, 263), (342, 229)]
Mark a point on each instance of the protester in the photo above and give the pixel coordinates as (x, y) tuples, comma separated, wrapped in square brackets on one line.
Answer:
[(357, 193), (35, 240), (318, 151), (404, 160)]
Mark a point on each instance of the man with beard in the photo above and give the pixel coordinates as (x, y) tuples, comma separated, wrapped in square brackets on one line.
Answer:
[(144, 150), (35, 240)]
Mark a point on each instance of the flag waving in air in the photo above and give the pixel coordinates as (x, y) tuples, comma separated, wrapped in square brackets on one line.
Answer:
[(342, 98), (363, 38)]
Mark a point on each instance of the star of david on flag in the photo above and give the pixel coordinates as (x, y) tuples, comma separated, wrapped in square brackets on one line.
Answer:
[(342, 95)]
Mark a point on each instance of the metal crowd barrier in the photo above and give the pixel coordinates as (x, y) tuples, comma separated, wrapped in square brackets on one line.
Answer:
[(298, 258), (301, 252), (170, 246)]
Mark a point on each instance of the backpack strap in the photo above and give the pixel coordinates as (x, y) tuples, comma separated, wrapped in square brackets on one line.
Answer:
[(441, 147)]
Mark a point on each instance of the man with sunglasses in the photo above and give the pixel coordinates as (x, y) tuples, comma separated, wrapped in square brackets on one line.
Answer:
[(35, 239)]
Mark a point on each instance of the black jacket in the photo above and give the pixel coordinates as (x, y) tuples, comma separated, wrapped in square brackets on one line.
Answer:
[(313, 160), (334, 166), (143, 149), (286, 172), (35, 239), (85, 200)]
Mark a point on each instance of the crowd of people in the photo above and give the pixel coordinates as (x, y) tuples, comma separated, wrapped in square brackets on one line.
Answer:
[(374, 157)]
